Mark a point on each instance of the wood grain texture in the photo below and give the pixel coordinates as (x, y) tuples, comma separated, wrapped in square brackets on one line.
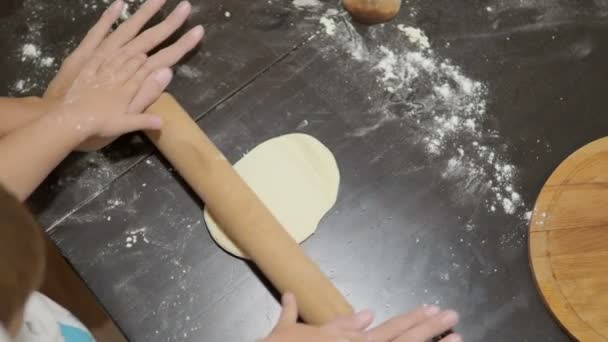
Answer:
[(569, 242), (244, 218)]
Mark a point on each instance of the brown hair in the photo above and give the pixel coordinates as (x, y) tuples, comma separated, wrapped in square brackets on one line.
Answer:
[(22, 256)]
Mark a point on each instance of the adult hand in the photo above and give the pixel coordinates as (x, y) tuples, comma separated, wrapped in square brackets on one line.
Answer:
[(122, 45)]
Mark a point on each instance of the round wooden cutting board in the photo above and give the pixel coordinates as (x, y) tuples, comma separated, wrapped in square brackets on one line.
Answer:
[(569, 242)]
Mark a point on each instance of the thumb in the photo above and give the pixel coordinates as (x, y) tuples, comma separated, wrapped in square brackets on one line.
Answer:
[(136, 122), (289, 312), (150, 90), (355, 322)]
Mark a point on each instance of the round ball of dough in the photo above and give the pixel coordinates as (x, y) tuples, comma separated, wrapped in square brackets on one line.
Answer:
[(295, 176), (372, 11)]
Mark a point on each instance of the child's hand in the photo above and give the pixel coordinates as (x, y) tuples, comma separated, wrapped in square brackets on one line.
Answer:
[(420, 325), (125, 43), (344, 329), (97, 104)]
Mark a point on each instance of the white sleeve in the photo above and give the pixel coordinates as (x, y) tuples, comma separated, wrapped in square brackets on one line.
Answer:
[(4, 335), (46, 321)]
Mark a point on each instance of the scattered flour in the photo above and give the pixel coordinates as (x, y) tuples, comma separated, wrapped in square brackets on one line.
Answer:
[(113, 204), (302, 124), (47, 61), (38, 53), (29, 51), (134, 235), (189, 72), (415, 36), (306, 3), (92, 6), (446, 107), (331, 12), (329, 24), (19, 85), (127, 10), (125, 14)]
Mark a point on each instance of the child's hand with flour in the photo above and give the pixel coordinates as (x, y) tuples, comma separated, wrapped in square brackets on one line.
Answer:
[(100, 93), (114, 67), (419, 325)]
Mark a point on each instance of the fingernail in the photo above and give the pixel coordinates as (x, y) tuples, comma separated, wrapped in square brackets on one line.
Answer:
[(198, 31), (287, 298), (156, 121), (164, 76), (449, 318), (431, 310), (364, 316), (118, 4), (183, 6)]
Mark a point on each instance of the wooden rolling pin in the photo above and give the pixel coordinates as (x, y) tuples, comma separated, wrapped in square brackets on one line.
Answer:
[(242, 215)]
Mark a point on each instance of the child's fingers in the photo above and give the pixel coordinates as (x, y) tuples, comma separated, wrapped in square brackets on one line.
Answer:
[(129, 29), (150, 90), (172, 54), (431, 327), (90, 69), (394, 327), (116, 62), (356, 322), (99, 31), (133, 85), (132, 123), (352, 336), (129, 68), (451, 338), (150, 38)]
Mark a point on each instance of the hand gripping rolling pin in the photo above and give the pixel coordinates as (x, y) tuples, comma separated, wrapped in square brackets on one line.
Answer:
[(242, 215)]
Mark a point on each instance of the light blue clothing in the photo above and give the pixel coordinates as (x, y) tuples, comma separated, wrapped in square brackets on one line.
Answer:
[(46, 321), (73, 334)]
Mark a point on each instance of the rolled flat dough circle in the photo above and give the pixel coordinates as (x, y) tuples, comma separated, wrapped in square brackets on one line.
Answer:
[(295, 176)]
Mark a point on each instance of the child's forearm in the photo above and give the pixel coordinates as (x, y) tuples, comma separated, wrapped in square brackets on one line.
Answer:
[(18, 112), (30, 153)]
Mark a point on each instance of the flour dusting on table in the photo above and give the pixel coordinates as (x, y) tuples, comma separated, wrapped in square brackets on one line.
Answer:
[(329, 24), (189, 72), (39, 56), (446, 107), (306, 3)]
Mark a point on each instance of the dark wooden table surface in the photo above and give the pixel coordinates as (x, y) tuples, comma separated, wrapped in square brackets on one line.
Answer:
[(442, 152)]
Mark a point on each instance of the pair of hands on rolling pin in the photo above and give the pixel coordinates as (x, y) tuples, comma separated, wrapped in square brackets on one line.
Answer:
[(420, 325), (95, 97), (100, 92), (109, 78)]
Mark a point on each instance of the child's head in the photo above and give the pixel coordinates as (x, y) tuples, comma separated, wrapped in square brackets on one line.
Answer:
[(22, 259)]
